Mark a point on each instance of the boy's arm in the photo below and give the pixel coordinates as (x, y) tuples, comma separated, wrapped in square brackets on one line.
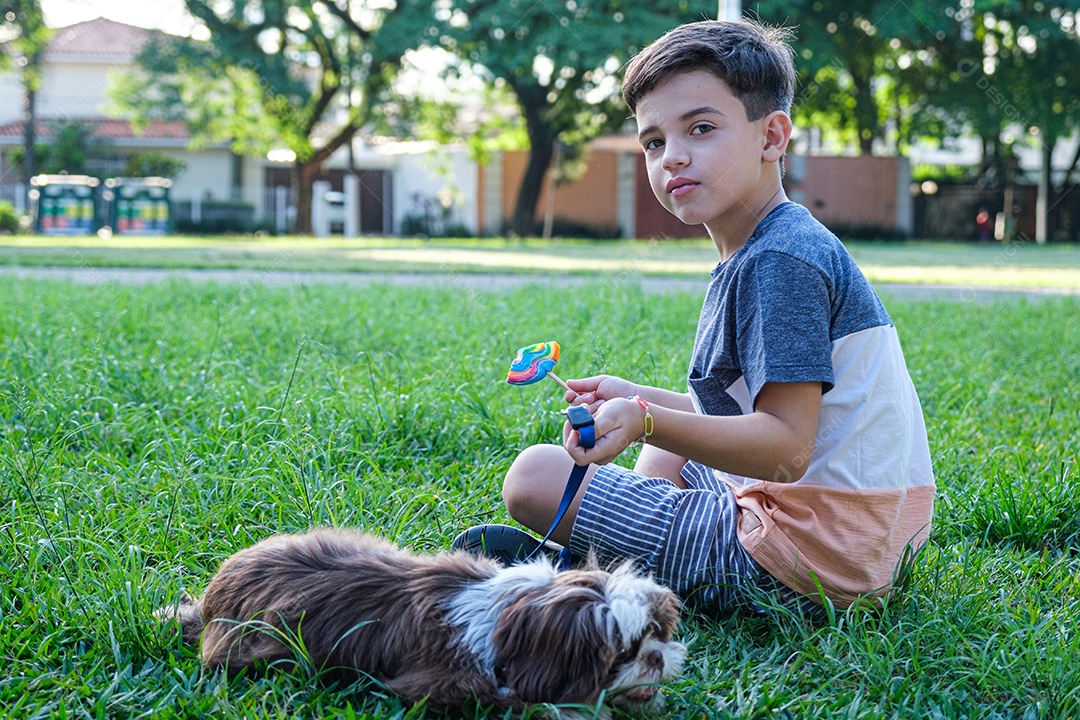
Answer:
[(594, 390), (774, 442)]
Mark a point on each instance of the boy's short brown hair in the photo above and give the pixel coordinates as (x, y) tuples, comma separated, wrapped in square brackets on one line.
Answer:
[(754, 60)]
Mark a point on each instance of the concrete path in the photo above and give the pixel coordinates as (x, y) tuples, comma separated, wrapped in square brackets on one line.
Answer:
[(478, 281)]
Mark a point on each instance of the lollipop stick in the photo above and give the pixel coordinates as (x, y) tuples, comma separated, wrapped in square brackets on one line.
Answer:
[(555, 377)]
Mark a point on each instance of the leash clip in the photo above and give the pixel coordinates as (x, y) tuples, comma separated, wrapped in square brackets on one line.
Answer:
[(582, 420)]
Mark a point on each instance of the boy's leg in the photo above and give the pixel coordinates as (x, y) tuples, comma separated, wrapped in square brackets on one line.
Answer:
[(685, 534), (657, 463), (682, 530), (534, 487)]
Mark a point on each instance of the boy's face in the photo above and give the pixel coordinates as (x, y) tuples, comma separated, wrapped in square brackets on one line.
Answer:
[(704, 158)]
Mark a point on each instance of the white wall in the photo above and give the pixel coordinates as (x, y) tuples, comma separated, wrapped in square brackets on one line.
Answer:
[(434, 170), (253, 178), (68, 90), (10, 98), (206, 171)]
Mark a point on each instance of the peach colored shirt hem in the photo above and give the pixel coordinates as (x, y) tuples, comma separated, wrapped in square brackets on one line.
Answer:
[(844, 543)]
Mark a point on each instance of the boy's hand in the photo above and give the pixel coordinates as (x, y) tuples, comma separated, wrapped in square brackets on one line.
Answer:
[(617, 423), (594, 391)]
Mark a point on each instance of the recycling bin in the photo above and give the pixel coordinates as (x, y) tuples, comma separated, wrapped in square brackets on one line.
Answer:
[(139, 206), (65, 204)]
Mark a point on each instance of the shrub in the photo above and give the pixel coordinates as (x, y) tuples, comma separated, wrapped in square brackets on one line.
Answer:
[(9, 219), (216, 217)]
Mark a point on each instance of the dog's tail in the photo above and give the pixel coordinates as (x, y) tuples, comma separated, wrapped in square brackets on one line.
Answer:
[(188, 613)]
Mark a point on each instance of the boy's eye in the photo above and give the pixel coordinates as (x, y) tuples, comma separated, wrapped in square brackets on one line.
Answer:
[(652, 144), (700, 129)]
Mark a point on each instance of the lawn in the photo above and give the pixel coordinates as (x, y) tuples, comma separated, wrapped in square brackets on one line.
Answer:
[(1020, 265), (146, 433)]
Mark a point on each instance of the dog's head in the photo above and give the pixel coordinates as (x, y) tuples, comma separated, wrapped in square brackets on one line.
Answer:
[(574, 636)]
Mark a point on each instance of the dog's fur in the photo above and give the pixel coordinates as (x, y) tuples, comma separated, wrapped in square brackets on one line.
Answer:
[(453, 628)]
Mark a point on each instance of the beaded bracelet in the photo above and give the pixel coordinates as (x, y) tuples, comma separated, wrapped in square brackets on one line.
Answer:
[(649, 426)]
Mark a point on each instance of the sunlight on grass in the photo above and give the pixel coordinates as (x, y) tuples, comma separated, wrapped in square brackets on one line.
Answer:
[(969, 265), (513, 261), (990, 277)]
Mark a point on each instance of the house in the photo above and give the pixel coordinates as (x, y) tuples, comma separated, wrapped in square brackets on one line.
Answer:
[(77, 66), (613, 197)]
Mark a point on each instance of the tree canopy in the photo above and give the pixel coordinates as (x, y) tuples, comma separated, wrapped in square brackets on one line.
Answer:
[(292, 73), (24, 36), (560, 60), (881, 74)]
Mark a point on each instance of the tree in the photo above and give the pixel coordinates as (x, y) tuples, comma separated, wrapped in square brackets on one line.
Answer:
[(559, 59), (466, 106), (293, 72), (1037, 57), (71, 145), (153, 164), (847, 60), (1005, 71), (25, 36), (1002, 70)]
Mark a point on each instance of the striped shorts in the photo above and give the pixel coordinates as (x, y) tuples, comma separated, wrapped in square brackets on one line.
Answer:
[(685, 538)]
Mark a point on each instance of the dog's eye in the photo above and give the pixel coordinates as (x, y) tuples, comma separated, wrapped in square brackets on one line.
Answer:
[(628, 653), (657, 630)]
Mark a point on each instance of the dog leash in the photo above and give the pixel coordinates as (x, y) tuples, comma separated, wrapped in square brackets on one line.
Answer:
[(582, 421)]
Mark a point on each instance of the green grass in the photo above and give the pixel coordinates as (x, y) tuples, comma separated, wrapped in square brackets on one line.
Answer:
[(1020, 265), (146, 433)]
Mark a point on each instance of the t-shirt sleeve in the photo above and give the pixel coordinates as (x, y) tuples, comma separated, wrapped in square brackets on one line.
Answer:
[(783, 316)]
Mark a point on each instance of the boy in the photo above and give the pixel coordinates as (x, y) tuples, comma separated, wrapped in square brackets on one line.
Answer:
[(799, 454)]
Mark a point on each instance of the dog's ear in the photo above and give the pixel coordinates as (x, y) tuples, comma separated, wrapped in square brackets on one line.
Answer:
[(665, 607), (555, 644)]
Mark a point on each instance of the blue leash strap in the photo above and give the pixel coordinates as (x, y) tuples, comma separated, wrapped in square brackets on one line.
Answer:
[(582, 421), (572, 485)]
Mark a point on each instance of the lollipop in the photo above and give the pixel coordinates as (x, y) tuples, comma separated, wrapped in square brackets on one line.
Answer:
[(533, 362)]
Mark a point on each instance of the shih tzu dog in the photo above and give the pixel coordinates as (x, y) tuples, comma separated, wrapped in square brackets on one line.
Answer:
[(453, 628)]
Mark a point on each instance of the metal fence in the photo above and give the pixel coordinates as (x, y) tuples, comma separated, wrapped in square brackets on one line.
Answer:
[(236, 213), (14, 193)]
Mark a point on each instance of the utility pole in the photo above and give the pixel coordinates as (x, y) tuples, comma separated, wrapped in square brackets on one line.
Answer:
[(729, 10)]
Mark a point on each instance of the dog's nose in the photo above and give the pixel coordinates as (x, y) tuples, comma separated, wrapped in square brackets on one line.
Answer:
[(654, 659)]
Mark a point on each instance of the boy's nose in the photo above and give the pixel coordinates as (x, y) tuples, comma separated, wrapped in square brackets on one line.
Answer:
[(675, 156)]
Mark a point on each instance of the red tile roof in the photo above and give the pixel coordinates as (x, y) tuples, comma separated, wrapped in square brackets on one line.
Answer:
[(98, 37), (107, 128)]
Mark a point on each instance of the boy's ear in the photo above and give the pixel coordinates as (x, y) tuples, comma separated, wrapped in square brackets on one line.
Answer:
[(776, 132)]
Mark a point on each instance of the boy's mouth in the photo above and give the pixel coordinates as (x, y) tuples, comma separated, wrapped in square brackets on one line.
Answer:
[(679, 186)]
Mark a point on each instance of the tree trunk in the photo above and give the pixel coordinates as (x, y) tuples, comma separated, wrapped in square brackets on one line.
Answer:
[(305, 174), (988, 156), (523, 222), (1009, 210), (29, 158), (866, 120), (542, 136)]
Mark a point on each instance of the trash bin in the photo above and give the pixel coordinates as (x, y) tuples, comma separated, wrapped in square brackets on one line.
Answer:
[(138, 206), (64, 204)]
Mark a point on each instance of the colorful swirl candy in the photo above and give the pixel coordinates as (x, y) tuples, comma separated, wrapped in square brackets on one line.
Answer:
[(533, 363)]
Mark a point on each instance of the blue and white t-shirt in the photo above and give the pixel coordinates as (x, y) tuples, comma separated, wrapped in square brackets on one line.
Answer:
[(792, 306)]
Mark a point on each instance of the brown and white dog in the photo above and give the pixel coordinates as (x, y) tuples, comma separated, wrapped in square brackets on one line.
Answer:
[(453, 628)]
